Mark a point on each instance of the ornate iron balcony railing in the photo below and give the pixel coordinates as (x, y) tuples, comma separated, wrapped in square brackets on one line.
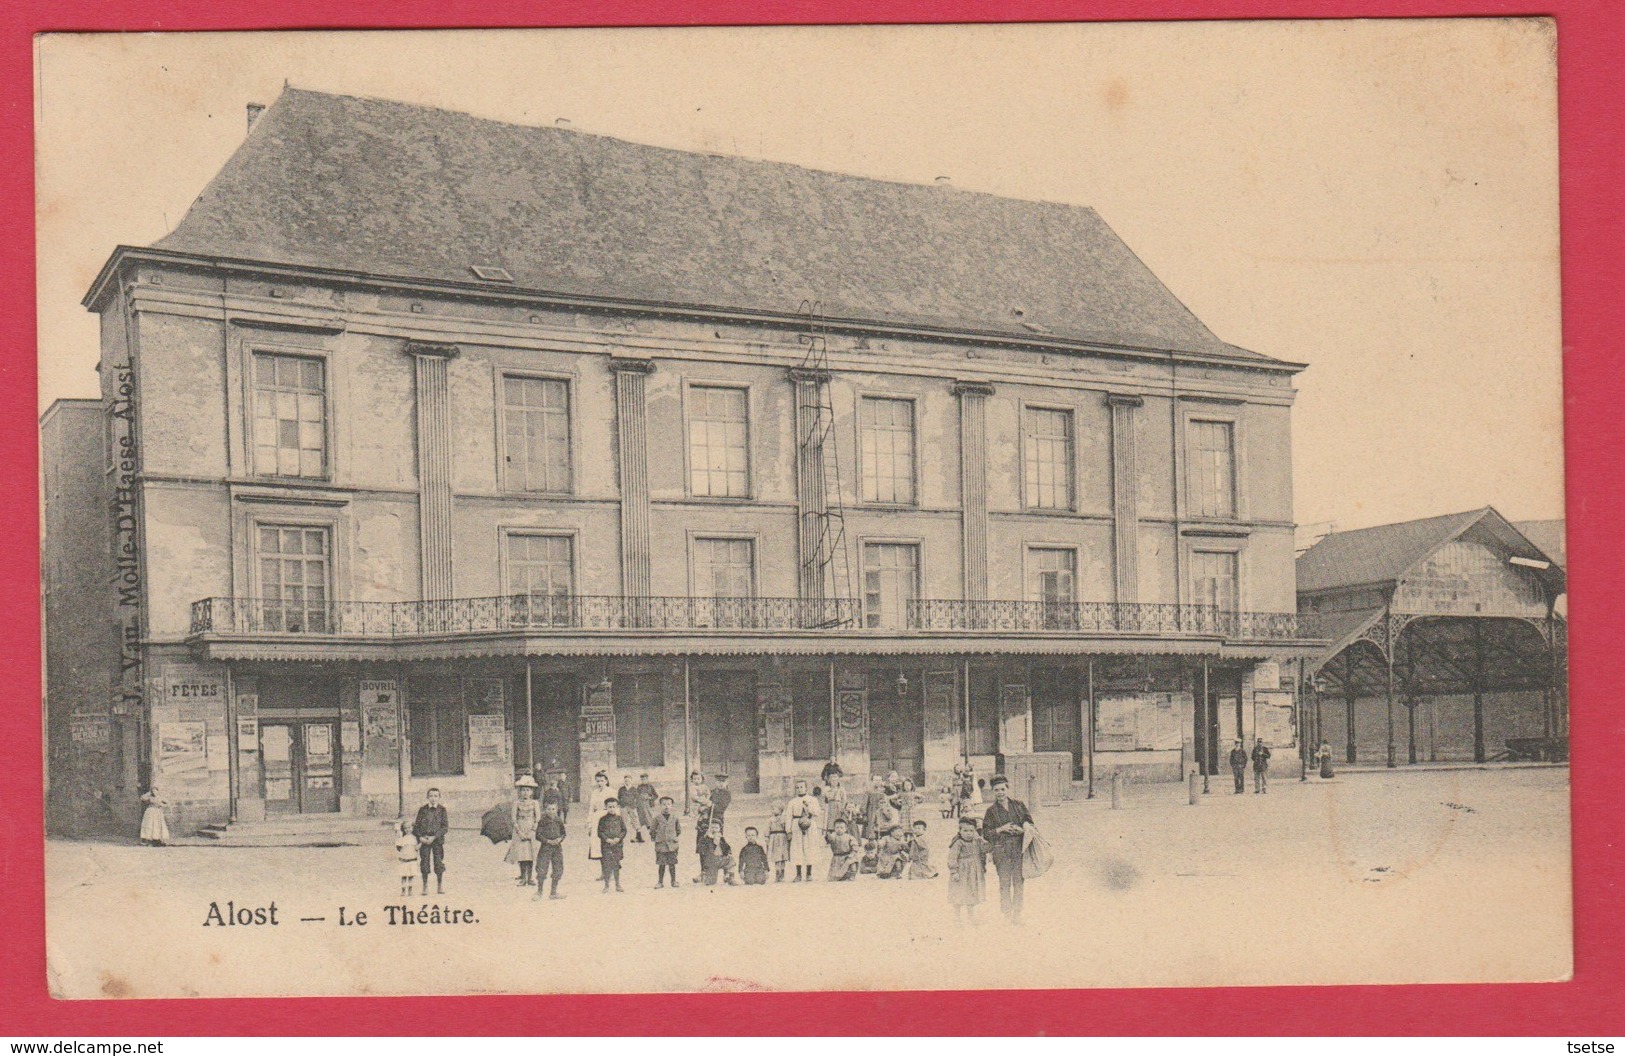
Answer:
[(546, 613)]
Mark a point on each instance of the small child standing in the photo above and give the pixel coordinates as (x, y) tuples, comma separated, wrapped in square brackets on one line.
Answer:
[(919, 855), (778, 843), (406, 854), (611, 844), (891, 854), (843, 849), (716, 856), (753, 858), (967, 871), (550, 849), (666, 830)]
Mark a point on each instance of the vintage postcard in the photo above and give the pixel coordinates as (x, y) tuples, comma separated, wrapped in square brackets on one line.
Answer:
[(850, 508)]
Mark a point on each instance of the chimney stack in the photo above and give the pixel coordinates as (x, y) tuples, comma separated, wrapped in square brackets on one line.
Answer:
[(254, 111)]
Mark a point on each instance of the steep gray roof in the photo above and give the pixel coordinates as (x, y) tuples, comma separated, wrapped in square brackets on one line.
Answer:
[(1376, 555), (386, 188), (1386, 552)]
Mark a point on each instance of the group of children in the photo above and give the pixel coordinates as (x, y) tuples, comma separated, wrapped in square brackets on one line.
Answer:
[(869, 834)]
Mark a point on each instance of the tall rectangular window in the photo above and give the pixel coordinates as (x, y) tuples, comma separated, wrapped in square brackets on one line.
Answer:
[(436, 718), (891, 580), (1212, 469), (1052, 574), (640, 736), (290, 416), (536, 444), (541, 570), (294, 573), (1213, 580), (1047, 449), (724, 568), (810, 718), (718, 442), (888, 449)]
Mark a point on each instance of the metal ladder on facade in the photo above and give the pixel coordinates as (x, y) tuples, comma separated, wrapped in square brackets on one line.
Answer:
[(826, 568)]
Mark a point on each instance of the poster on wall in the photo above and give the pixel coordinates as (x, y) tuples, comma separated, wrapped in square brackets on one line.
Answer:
[(1161, 722), (91, 735), (1117, 724), (183, 750), (1144, 722), (1276, 719), (487, 738)]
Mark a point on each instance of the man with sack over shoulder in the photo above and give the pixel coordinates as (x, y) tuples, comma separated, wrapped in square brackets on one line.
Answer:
[(1008, 828)]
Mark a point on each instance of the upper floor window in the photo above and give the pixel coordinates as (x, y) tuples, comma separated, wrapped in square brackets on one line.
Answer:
[(888, 449), (294, 574), (718, 442), (1213, 580), (536, 423), (290, 416), (891, 582), (1052, 573), (724, 568), (1212, 469), (1048, 457), (540, 565)]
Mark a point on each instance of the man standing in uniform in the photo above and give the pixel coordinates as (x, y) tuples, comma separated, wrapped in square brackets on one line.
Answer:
[(1261, 766), (430, 828), (1238, 767), (1007, 827)]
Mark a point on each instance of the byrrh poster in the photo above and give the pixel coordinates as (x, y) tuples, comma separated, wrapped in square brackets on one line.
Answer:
[(1075, 422)]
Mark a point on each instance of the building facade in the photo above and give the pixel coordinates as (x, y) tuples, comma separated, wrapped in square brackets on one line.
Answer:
[(651, 462), (1446, 641)]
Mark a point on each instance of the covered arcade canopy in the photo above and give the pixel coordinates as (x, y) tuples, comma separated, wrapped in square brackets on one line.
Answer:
[(1446, 640)]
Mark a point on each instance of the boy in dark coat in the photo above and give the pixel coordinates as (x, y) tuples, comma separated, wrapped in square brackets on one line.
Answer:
[(753, 858), (665, 831), (430, 828), (720, 799), (611, 843), (550, 849)]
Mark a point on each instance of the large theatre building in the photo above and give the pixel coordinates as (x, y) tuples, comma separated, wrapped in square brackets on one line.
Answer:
[(435, 449)]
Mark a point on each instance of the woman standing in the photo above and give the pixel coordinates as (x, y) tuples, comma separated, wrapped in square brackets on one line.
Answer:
[(596, 800), (1324, 757), (154, 829), (526, 812), (806, 816)]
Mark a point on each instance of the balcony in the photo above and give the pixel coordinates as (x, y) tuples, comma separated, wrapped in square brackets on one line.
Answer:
[(601, 614)]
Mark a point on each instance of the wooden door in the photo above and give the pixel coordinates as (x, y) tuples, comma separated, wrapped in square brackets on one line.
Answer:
[(280, 786), (317, 754), (897, 729), (725, 721)]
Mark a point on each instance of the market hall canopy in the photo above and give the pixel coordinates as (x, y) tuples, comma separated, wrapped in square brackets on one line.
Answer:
[(1459, 605)]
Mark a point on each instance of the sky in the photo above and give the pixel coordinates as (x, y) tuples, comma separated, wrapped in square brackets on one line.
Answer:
[(1376, 199)]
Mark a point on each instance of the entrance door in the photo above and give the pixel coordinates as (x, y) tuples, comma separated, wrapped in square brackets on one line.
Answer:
[(897, 728), (301, 767), (725, 720), (555, 724), (1057, 702)]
